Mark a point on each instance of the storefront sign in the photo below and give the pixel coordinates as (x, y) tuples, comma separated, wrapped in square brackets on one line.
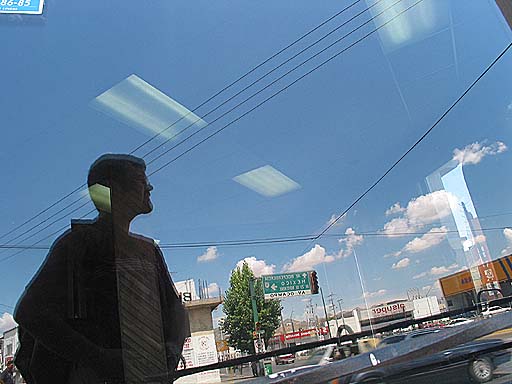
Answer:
[(31, 7), (390, 310)]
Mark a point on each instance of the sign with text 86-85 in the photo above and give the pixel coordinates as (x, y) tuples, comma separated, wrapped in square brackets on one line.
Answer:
[(287, 284), (31, 7)]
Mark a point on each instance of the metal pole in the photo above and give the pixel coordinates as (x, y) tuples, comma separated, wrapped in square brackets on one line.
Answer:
[(253, 302), (325, 311), (341, 310), (334, 310), (282, 324), (291, 320)]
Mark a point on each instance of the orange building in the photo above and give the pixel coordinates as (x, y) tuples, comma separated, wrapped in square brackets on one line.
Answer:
[(459, 290)]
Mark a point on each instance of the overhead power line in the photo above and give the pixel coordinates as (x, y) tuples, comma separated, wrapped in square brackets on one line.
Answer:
[(281, 90), (192, 111), (42, 212), (418, 141), (286, 87), (272, 71), (248, 73), (267, 240)]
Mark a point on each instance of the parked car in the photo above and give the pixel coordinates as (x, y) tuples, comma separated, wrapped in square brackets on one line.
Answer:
[(285, 359), (494, 310), (470, 362), (459, 321), (290, 372)]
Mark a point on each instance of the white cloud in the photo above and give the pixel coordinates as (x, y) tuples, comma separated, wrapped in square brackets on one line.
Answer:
[(258, 267), (436, 271), (333, 222), (402, 263), (474, 153), (398, 226), (394, 209), (210, 255), (439, 270), (213, 290), (308, 260), (443, 269), (507, 232), (7, 322), (380, 292), (349, 243), (420, 275), (430, 239), (430, 208), (422, 211)]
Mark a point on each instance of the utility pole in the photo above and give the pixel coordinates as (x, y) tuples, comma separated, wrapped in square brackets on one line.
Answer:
[(334, 310), (291, 321), (325, 311), (253, 302), (310, 315), (255, 313), (282, 321), (340, 301)]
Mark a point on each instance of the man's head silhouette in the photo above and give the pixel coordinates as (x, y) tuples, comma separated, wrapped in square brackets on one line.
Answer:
[(119, 183)]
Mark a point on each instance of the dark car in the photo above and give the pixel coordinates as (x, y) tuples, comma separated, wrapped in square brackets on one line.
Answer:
[(470, 362)]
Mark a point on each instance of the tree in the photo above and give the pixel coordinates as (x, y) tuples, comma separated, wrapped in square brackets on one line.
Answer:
[(237, 306)]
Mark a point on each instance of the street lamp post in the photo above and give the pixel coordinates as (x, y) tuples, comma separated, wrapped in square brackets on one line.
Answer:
[(334, 310), (340, 301), (282, 321), (291, 321)]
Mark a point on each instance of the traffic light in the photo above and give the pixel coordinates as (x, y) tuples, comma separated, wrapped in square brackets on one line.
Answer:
[(257, 326), (313, 278)]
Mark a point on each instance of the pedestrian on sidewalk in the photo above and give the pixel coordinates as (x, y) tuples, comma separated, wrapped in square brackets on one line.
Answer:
[(7, 375)]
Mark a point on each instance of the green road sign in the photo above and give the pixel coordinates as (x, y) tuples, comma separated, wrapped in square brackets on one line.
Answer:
[(286, 285)]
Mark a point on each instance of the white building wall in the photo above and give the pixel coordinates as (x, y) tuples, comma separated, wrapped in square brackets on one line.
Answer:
[(426, 307), (350, 322), (10, 346)]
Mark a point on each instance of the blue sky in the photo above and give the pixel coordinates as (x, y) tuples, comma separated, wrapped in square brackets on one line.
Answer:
[(333, 133)]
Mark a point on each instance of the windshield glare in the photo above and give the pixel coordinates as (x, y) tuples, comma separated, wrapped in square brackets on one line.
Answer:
[(218, 191)]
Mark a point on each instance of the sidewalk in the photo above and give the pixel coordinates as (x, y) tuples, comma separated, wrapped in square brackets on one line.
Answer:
[(234, 377)]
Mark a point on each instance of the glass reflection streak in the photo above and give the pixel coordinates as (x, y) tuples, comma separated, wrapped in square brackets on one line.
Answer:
[(137, 103), (267, 181)]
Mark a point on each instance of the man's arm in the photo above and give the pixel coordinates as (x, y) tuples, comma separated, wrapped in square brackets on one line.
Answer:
[(175, 315), (43, 309)]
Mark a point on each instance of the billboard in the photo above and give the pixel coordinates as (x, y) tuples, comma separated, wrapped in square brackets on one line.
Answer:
[(392, 309)]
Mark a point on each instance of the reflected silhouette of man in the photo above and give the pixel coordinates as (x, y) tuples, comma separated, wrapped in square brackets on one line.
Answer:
[(103, 308)]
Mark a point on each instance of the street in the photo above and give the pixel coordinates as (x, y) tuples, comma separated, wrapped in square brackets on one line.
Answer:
[(502, 375)]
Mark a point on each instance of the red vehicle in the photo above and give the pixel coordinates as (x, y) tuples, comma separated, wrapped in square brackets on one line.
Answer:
[(285, 359)]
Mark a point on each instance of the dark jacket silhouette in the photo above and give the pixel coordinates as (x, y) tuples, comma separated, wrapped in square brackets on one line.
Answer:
[(102, 307)]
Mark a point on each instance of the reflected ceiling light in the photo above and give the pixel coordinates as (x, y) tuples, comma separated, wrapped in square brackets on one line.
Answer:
[(137, 103), (415, 24), (267, 181)]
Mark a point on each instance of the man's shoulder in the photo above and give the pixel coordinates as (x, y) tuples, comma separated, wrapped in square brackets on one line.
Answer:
[(145, 241), (77, 233)]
